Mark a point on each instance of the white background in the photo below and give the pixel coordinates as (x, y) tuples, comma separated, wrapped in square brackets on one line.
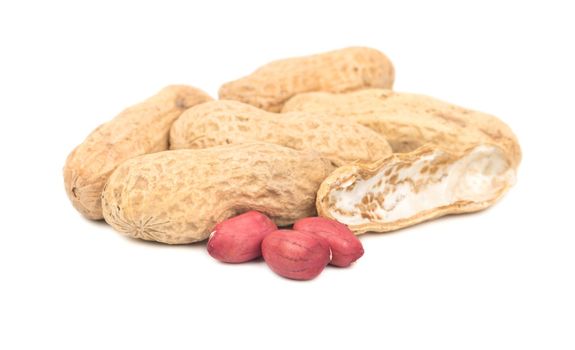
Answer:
[(500, 279)]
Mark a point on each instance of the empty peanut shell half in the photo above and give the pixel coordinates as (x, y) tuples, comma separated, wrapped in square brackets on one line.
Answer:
[(408, 188)]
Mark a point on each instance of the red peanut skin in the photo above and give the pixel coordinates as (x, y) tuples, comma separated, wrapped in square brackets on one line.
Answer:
[(239, 239), (345, 246), (295, 254)]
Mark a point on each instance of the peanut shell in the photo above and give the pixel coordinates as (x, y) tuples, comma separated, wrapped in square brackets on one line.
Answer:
[(223, 122), (179, 196), (409, 121), (407, 188), (140, 129), (341, 70)]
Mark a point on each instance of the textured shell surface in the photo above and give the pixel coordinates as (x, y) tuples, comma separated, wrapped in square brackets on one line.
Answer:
[(409, 121), (341, 70), (140, 129), (179, 196), (221, 122)]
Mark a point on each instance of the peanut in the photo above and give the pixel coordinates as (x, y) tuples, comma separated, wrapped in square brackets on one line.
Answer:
[(179, 196), (239, 239), (295, 254), (345, 246), (226, 122), (140, 129), (342, 70), (407, 188), (409, 121)]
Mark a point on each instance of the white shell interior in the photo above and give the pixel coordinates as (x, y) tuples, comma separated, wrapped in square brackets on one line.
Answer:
[(399, 190)]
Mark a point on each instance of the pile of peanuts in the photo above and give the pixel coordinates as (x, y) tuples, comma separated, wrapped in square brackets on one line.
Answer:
[(320, 142), (300, 253)]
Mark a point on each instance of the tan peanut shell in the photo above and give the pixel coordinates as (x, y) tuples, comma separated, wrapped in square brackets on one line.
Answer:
[(342, 70), (223, 122), (140, 129), (407, 188), (409, 121), (179, 196)]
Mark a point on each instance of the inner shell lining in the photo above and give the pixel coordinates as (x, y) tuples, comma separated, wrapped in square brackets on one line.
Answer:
[(400, 190)]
